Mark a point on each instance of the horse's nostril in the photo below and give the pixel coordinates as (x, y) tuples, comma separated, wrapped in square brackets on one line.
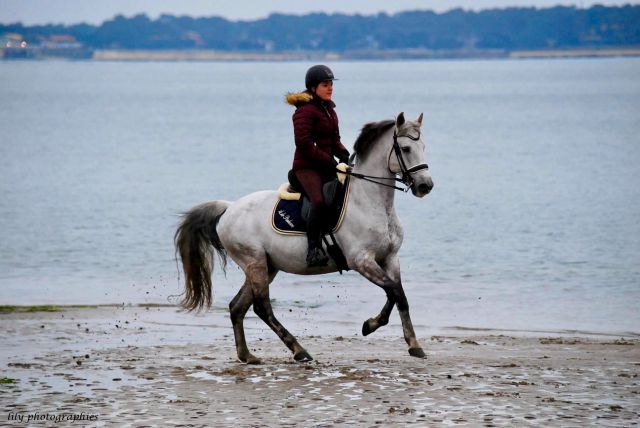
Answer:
[(424, 188)]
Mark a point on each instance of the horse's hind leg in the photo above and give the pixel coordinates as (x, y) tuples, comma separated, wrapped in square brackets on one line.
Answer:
[(392, 285), (259, 279), (238, 309)]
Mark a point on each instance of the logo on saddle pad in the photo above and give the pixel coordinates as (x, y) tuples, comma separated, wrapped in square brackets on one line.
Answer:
[(283, 214)]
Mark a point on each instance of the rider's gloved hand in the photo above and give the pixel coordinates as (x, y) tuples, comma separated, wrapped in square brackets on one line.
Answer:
[(341, 169)]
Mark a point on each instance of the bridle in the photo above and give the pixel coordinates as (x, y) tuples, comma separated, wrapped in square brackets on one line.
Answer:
[(406, 178)]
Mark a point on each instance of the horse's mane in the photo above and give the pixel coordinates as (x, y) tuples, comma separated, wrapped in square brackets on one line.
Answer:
[(370, 133)]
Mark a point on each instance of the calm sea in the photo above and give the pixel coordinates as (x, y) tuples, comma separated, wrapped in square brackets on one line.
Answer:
[(533, 224)]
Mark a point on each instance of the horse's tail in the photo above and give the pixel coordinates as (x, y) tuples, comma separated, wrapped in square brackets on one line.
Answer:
[(196, 240)]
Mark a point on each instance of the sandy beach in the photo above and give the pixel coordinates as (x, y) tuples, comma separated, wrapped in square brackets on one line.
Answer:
[(155, 366)]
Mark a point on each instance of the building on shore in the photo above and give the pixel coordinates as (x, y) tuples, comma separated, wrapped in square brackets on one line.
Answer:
[(13, 46), (65, 47)]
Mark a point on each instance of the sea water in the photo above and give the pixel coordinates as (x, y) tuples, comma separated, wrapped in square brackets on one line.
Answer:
[(533, 223)]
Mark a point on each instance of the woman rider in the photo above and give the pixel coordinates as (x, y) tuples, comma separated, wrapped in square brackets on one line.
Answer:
[(317, 137)]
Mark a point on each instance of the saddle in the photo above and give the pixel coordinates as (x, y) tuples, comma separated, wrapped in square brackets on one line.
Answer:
[(291, 212)]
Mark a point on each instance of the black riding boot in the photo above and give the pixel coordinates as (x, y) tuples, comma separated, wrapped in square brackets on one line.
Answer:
[(315, 254)]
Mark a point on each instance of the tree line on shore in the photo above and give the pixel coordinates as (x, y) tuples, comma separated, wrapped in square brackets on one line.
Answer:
[(507, 29)]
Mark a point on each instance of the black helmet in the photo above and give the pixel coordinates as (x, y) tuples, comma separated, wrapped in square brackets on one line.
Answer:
[(317, 74)]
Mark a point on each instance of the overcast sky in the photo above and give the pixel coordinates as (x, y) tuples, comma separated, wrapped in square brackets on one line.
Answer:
[(97, 11)]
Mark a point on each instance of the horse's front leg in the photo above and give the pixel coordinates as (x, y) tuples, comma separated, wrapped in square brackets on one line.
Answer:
[(372, 324), (392, 270), (391, 283)]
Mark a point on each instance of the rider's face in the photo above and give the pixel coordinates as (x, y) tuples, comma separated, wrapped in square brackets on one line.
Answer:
[(325, 90)]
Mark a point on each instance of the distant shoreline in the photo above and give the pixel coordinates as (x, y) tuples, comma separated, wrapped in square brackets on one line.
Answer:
[(211, 55), (575, 53), (365, 55)]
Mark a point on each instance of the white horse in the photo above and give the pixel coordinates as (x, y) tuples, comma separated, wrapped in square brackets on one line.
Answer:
[(370, 237)]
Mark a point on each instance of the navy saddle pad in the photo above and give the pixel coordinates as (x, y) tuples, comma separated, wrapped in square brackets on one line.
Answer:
[(289, 217)]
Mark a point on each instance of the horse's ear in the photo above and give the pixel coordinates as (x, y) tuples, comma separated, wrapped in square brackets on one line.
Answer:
[(400, 119), (419, 119)]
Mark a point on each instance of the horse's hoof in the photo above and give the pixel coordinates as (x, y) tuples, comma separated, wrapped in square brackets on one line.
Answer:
[(366, 329), (254, 360), (417, 352), (303, 357), (250, 359)]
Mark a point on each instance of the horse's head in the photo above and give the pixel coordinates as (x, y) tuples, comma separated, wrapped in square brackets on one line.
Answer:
[(409, 159)]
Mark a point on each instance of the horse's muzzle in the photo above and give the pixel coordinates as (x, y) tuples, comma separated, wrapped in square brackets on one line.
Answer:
[(422, 189)]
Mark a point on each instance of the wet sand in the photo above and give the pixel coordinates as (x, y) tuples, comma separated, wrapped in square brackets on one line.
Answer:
[(134, 366)]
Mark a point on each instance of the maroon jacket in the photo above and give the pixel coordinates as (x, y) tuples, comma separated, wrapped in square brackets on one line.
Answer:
[(317, 136)]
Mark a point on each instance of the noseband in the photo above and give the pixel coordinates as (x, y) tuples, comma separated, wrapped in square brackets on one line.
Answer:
[(406, 179)]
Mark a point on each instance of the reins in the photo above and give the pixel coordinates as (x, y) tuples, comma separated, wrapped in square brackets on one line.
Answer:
[(370, 178), (406, 179)]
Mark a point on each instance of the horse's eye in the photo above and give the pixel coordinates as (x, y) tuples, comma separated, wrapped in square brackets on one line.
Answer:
[(406, 149)]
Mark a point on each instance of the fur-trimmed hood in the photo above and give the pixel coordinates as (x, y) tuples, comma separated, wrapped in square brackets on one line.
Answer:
[(300, 98)]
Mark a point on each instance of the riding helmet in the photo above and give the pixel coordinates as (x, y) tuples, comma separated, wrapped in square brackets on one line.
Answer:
[(317, 74)]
